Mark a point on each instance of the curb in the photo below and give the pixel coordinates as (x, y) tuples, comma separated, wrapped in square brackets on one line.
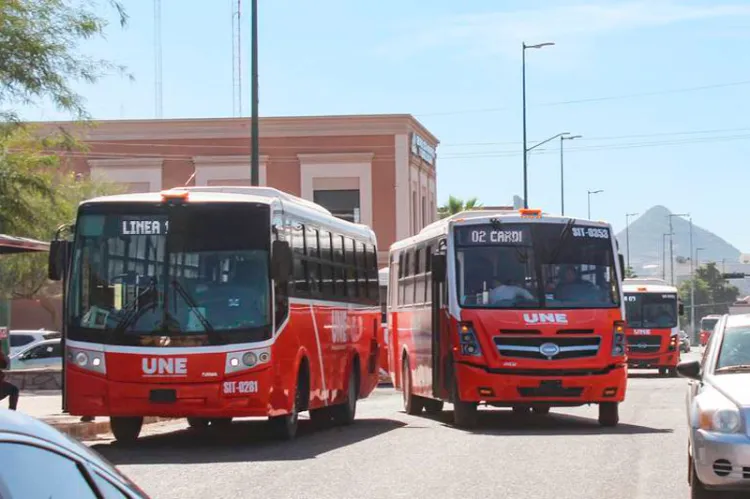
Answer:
[(86, 431)]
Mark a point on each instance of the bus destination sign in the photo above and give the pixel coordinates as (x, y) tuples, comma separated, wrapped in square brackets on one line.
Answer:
[(480, 235), (153, 227)]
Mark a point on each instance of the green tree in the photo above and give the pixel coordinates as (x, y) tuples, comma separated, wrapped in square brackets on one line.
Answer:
[(630, 273), (457, 205), (40, 58), (713, 294)]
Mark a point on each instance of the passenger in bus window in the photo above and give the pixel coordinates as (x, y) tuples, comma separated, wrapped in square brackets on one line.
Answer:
[(571, 287)]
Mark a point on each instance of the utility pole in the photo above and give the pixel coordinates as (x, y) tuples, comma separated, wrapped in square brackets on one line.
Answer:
[(563, 138), (255, 143), (158, 107), (671, 251), (627, 235)]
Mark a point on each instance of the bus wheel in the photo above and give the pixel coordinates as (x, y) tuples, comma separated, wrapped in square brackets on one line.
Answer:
[(285, 427), (521, 410), (464, 413), (541, 409), (432, 406), (198, 423), (126, 429), (609, 413), (412, 404), (344, 414)]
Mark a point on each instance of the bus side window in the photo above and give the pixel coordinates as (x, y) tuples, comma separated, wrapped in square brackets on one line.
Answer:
[(313, 265), (373, 279), (362, 273), (298, 254)]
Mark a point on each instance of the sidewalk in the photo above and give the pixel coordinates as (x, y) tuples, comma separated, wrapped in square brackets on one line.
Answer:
[(46, 405)]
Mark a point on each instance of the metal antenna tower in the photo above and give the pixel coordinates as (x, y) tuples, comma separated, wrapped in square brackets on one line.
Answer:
[(157, 60), (236, 57)]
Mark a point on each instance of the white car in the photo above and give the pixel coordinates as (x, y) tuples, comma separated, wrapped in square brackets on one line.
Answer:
[(22, 338), (46, 353)]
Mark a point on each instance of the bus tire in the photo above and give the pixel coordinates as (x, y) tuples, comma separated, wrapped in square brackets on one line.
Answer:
[(413, 405), (609, 414), (126, 429), (464, 413), (285, 427), (541, 410), (198, 423), (432, 406), (345, 413)]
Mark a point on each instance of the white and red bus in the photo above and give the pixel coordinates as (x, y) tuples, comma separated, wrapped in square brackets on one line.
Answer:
[(512, 309), (383, 333), (213, 303), (707, 325), (652, 310)]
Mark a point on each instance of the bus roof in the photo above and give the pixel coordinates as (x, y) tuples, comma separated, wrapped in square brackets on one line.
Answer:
[(479, 216), (240, 194), (647, 285)]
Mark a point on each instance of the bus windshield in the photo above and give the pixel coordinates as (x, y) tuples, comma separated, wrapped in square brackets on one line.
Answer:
[(535, 265), (651, 310), (194, 270)]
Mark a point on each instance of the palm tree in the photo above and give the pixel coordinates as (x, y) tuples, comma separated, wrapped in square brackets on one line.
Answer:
[(457, 205)]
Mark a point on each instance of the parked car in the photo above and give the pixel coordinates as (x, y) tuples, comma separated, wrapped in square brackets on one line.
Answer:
[(718, 406), (21, 338), (684, 342), (46, 353), (39, 461)]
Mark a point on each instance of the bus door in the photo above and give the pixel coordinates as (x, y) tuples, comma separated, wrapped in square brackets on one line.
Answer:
[(439, 321)]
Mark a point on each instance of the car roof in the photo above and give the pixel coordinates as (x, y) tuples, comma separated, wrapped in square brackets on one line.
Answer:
[(15, 423), (738, 320)]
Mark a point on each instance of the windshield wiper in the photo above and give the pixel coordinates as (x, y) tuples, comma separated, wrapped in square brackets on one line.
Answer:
[(560, 240), (734, 369), (193, 305), (133, 312)]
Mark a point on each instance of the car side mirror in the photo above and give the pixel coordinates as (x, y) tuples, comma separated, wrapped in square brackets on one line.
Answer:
[(438, 265), (58, 259), (281, 261), (690, 369), (622, 265), (681, 309)]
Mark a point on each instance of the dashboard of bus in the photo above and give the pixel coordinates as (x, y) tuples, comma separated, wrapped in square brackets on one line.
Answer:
[(196, 273)]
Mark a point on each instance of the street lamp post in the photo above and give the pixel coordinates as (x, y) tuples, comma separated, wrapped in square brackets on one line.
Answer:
[(562, 171), (671, 243), (664, 255), (692, 294), (255, 140), (523, 98), (589, 199), (627, 235)]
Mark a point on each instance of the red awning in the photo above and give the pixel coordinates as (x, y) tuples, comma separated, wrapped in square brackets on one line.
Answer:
[(10, 245)]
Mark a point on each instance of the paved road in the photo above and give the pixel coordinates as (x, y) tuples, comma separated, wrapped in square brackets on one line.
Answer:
[(388, 454)]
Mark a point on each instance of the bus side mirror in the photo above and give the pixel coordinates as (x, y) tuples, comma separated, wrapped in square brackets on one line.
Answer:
[(281, 261), (622, 265), (438, 265), (58, 259), (681, 309)]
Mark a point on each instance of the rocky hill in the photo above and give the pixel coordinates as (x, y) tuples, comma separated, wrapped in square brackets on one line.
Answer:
[(646, 240)]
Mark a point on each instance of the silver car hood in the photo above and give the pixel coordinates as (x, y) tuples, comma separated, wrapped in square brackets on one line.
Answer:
[(736, 386)]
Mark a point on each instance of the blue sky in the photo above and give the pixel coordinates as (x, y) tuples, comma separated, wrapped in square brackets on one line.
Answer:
[(673, 128)]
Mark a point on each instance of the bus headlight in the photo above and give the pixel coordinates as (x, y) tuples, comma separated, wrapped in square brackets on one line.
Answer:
[(618, 339), (88, 360), (467, 339), (246, 359)]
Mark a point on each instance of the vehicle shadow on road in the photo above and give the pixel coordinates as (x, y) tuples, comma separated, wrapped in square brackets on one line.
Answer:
[(243, 440), (505, 422)]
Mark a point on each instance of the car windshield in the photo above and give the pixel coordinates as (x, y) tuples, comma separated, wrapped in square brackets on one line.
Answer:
[(178, 271), (535, 265), (735, 348), (651, 310), (708, 324)]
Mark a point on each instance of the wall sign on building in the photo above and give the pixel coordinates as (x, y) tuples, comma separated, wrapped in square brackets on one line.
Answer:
[(421, 148)]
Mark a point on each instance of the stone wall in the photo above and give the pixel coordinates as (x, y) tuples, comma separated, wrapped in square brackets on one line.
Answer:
[(35, 379)]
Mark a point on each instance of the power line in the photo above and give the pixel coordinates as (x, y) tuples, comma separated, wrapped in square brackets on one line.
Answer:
[(592, 99)]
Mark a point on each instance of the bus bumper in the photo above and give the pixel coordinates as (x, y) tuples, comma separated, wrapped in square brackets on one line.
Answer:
[(478, 384), (651, 361), (246, 395)]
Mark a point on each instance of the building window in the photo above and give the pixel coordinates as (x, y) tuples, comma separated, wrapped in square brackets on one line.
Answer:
[(344, 204), (425, 221)]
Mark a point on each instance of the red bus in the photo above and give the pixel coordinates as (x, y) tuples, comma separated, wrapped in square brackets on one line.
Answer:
[(509, 309), (213, 303), (707, 327), (652, 310)]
